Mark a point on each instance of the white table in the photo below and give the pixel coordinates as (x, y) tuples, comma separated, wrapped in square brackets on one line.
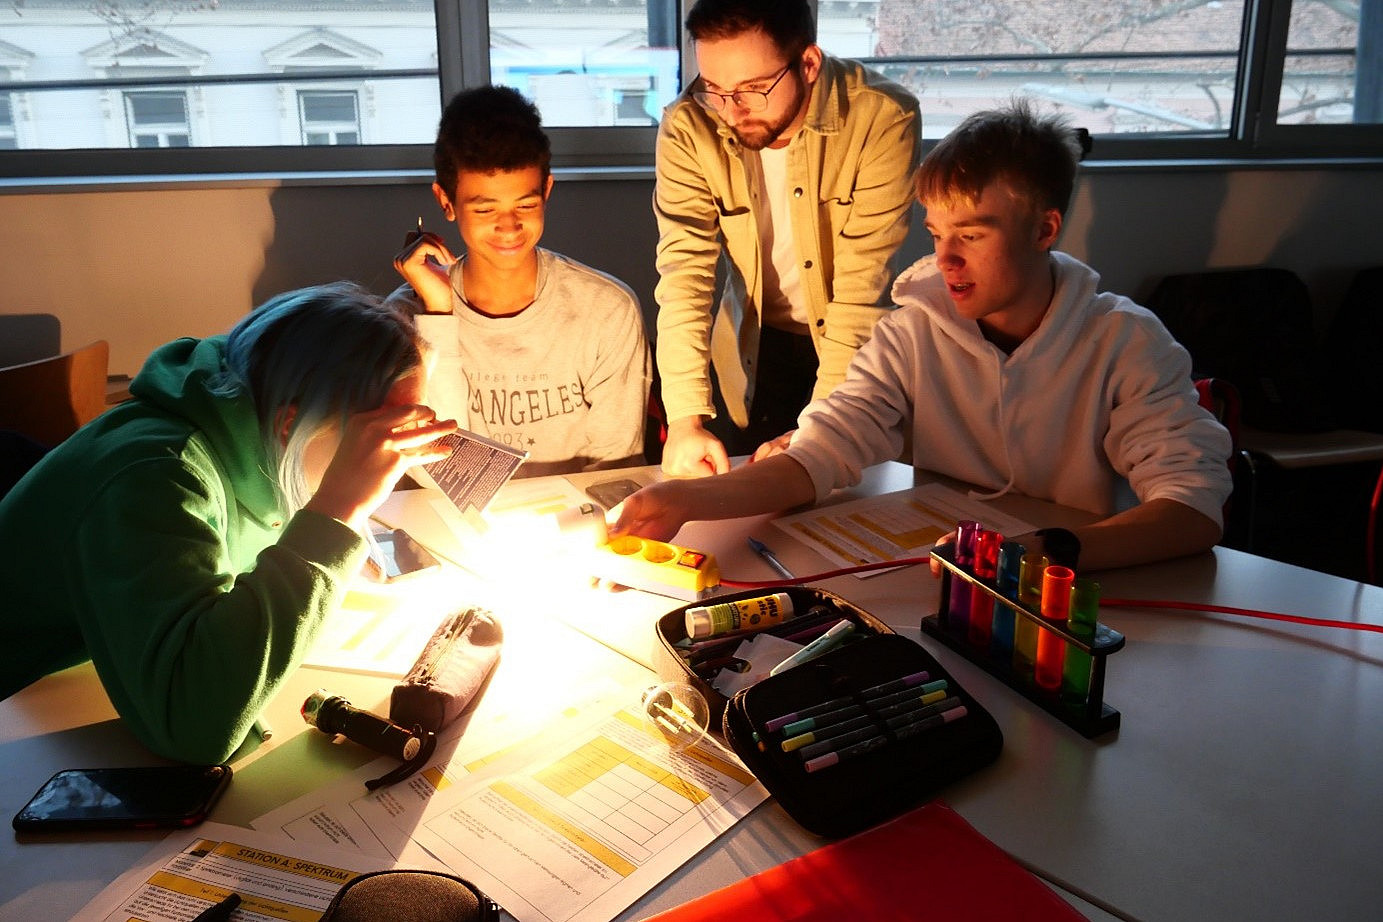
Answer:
[(1242, 784)]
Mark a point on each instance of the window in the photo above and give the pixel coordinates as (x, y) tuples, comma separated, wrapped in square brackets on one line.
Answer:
[(268, 85), (329, 117), (9, 138), (158, 119)]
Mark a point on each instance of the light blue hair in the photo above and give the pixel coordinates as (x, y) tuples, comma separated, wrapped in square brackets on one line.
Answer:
[(322, 353)]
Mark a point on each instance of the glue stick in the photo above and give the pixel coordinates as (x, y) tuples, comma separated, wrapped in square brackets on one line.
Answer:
[(739, 615)]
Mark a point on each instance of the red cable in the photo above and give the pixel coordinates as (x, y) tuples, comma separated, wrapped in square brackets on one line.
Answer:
[(1104, 603)]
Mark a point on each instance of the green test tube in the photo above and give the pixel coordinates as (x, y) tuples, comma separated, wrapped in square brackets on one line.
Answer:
[(1025, 632), (1085, 611)]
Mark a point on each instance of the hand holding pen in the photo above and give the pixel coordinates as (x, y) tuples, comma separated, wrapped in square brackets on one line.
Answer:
[(425, 263)]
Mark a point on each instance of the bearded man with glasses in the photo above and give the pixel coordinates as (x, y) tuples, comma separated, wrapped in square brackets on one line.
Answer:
[(794, 169)]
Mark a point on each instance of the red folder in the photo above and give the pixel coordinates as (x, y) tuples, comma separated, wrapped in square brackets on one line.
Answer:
[(928, 864)]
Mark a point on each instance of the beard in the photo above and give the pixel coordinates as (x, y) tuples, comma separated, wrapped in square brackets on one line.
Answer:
[(756, 134)]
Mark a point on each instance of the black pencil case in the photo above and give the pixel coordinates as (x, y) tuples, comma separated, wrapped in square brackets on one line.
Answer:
[(450, 672), (674, 664), (905, 763)]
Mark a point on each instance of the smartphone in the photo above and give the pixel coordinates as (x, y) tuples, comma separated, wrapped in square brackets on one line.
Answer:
[(400, 555), (140, 797), (610, 493)]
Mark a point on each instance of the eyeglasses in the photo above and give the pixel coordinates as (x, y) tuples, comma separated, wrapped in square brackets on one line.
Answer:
[(748, 100)]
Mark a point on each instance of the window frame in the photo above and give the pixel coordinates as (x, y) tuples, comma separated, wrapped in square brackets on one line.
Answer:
[(464, 60)]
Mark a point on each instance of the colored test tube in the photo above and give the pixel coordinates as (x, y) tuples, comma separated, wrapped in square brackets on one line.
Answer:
[(1085, 611), (958, 613), (981, 603), (1056, 608), (1008, 568), (1024, 631)]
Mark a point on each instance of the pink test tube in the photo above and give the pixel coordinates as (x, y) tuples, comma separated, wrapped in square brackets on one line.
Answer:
[(982, 603)]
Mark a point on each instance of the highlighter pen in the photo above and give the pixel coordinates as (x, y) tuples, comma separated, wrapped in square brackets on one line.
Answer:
[(958, 611), (869, 745), (825, 642), (849, 752), (897, 715), (837, 737), (1085, 610), (1006, 584), (924, 695), (1056, 607), (1024, 631), (981, 603), (899, 684)]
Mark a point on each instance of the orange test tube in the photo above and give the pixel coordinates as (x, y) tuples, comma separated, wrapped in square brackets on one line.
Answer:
[(1056, 607)]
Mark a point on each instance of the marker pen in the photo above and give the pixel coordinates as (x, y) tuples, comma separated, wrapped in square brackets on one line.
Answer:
[(925, 694), (1030, 596), (1085, 610), (1006, 584), (958, 611), (1056, 607), (827, 641), (826, 760), (888, 687), (981, 603)]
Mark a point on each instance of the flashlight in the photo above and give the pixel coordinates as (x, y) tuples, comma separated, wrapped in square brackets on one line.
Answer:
[(333, 715)]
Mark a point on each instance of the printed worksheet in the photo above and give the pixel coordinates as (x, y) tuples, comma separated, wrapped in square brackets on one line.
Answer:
[(275, 878), (580, 829), (345, 814), (892, 527)]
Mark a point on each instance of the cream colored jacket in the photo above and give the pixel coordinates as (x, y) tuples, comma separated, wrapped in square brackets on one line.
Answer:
[(851, 168)]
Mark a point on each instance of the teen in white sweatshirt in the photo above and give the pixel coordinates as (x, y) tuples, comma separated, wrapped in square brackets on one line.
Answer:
[(1010, 369)]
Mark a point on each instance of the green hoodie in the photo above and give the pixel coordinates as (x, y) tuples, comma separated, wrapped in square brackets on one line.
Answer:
[(154, 543)]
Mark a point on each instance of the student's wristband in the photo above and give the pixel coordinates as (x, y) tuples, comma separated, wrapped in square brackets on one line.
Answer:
[(1060, 545)]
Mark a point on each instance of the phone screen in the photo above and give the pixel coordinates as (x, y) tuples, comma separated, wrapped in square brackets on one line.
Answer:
[(401, 555), (610, 493), (141, 797)]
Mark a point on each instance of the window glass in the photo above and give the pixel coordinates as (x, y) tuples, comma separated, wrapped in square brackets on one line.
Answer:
[(588, 64), (8, 137), (1332, 72), (225, 72), (1117, 66), (329, 117), (157, 119)]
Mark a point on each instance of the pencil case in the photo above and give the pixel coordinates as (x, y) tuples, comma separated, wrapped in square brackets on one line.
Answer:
[(889, 727), (454, 665), (678, 659)]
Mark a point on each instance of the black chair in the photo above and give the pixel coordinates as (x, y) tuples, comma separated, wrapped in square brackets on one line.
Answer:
[(1254, 328)]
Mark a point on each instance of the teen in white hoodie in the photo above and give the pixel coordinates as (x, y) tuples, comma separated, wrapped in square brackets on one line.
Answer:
[(1012, 371)]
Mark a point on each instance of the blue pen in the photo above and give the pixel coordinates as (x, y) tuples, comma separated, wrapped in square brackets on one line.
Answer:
[(817, 647), (771, 558)]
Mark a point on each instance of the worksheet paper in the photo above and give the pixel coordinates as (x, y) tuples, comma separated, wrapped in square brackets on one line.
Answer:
[(275, 877), (894, 526), (580, 829), (571, 825), (345, 814)]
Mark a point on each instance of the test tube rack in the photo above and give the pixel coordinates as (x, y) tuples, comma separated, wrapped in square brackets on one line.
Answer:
[(1091, 717)]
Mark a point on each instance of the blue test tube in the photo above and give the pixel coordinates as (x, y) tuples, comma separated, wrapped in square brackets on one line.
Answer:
[(1085, 611), (958, 612), (1006, 584)]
